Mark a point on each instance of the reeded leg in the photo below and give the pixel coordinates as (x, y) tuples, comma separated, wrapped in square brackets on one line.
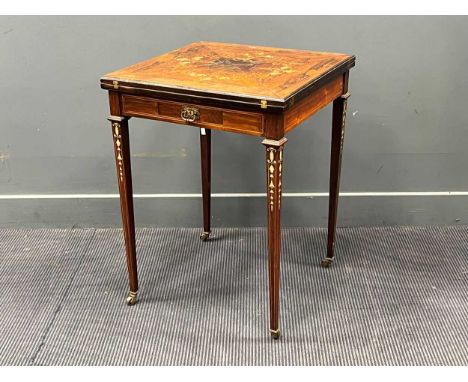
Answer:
[(205, 150), (274, 159), (338, 130), (124, 179)]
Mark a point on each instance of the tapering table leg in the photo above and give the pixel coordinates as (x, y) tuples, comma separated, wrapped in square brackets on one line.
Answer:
[(274, 165), (124, 179), (205, 150), (338, 130)]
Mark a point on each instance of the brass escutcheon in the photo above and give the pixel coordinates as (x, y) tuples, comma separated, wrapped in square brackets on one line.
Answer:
[(190, 114)]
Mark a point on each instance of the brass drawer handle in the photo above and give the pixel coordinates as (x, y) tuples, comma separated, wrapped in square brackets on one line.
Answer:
[(190, 114)]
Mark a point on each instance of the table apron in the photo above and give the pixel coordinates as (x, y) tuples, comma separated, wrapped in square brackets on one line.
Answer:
[(207, 117)]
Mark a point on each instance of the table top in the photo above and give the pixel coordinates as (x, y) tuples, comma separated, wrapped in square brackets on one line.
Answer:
[(240, 73)]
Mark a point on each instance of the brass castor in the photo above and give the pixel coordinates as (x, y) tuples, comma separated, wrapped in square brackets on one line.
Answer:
[(275, 334), (132, 298), (326, 262), (204, 236)]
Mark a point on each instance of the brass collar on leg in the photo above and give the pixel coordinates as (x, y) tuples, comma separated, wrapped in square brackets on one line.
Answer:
[(272, 142)]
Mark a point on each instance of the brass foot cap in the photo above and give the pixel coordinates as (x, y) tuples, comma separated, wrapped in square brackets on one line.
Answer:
[(132, 298), (204, 236), (326, 262), (275, 334)]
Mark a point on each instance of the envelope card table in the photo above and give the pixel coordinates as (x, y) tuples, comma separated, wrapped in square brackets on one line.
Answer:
[(253, 90)]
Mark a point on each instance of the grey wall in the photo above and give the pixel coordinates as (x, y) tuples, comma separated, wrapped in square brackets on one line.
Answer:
[(407, 125)]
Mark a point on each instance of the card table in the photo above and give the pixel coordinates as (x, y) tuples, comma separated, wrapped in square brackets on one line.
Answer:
[(254, 90)]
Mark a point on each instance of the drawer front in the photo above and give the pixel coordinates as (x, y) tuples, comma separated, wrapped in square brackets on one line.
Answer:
[(182, 113)]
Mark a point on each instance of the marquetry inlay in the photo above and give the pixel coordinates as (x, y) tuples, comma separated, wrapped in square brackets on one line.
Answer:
[(252, 90), (280, 175), (118, 148), (274, 162), (343, 122), (271, 176)]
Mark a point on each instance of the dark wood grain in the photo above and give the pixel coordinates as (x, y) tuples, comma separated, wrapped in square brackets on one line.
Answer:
[(313, 103), (205, 151), (135, 106), (245, 123), (120, 135), (212, 118), (114, 103), (273, 126), (338, 130), (274, 170)]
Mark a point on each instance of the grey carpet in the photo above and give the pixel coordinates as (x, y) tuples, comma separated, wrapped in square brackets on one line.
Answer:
[(395, 296)]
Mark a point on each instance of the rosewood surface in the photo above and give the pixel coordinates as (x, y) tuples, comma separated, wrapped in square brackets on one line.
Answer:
[(231, 74), (253, 90)]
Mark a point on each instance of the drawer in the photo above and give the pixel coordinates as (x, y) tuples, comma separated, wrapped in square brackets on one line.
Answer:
[(189, 114)]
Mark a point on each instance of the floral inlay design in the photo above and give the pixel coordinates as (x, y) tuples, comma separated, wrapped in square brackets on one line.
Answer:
[(118, 148), (343, 124), (242, 70), (280, 175), (274, 161)]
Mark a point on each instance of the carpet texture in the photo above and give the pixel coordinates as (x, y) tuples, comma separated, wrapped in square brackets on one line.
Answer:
[(394, 296)]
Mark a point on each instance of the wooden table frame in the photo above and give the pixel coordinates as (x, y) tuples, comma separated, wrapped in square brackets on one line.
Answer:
[(269, 120)]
